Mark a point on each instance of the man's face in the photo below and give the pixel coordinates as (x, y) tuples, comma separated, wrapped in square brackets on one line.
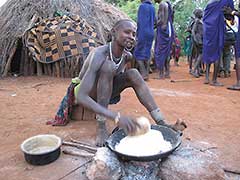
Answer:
[(126, 35)]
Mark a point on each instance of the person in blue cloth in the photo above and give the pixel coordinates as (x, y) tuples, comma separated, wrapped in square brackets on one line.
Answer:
[(213, 36), (145, 36), (164, 39), (235, 12)]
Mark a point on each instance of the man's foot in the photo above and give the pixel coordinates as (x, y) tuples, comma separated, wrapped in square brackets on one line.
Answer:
[(102, 134), (206, 81), (167, 76), (226, 75), (145, 78), (160, 76), (195, 74), (235, 87), (216, 83)]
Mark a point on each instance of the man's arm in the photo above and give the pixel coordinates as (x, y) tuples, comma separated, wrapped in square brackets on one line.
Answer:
[(87, 84)]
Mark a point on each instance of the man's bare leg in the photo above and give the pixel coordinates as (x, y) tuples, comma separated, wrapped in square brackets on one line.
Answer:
[(215, 74), (142, 69), (104, 92), (207, 74), (237, 85), (167, 68)]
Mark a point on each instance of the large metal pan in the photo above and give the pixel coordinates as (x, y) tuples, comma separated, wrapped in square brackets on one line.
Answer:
[(168, 134)]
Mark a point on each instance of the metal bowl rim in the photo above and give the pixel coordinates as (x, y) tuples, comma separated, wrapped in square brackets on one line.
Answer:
[(59, 143)]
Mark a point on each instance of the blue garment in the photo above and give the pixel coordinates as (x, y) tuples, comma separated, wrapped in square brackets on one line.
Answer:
[(145, 31), (164, 40), (237, 45), (213, 30)]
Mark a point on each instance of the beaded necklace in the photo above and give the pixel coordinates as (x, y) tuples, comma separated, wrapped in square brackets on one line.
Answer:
[(111, 57)]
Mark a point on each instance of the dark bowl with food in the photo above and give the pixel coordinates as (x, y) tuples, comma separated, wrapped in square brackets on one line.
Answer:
[(169, 134)]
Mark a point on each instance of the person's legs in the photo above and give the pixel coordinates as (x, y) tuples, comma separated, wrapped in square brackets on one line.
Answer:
[(237, 85), (132, 78), (104, 91), (142, 69), (167, 68), (207, 74), (215, 74), (227, 60)]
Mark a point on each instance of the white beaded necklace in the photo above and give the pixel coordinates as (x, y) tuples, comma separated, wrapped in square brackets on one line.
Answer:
[(111, 57)]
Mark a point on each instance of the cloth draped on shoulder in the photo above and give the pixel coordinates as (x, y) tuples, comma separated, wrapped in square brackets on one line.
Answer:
[(237, 44), (145, 31), (213, 30), (164, 40)]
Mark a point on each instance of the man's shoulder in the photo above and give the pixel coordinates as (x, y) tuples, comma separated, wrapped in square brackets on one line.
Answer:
[(99, 54)]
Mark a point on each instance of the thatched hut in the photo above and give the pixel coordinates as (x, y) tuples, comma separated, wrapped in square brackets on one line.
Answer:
[(18, 16)]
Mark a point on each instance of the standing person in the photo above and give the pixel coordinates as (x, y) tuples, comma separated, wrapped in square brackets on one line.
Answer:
[(213, 36), (177, 50), (187, 47), (237, 47), (103, 78), (164, 39), (197, 34), (145, 36)]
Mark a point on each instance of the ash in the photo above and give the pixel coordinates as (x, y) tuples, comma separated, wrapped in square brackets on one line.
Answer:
[(134, 170)]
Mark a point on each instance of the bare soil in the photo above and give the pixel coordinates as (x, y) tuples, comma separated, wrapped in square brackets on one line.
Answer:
[(26, 103)]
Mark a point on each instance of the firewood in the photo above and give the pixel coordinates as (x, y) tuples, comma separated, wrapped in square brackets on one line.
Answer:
[(80, 146), (77, 153), (80, 142)]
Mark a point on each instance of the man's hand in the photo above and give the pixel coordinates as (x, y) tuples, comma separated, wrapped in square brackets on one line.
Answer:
[(227, 10), (129, 125), (178, 126)]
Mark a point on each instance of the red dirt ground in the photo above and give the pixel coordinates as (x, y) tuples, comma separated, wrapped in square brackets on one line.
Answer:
[(212, 115)]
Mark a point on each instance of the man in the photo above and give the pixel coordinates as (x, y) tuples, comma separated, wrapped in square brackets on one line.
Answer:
[(145, 36), (197, 34), (103, 78), (164, 39), (233, 12), (213, 36)]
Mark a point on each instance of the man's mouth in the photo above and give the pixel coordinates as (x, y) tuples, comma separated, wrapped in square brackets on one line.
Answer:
[(129, 45)]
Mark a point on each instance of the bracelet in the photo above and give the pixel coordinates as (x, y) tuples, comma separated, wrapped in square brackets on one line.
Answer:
[(117, 118), (232, 13)]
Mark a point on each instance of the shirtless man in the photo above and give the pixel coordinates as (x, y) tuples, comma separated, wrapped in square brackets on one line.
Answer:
[(103, 78)]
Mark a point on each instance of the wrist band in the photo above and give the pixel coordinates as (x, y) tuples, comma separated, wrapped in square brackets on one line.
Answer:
[(117, 118)]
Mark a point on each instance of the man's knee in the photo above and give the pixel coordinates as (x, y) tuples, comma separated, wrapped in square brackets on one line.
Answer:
[(134, 76)]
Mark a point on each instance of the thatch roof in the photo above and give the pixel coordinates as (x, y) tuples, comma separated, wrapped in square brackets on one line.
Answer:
[(16, 16)]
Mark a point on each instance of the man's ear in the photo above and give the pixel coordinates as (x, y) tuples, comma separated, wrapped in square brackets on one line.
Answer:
[(113, 33)]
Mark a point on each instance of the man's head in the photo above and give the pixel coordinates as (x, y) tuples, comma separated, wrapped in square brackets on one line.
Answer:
[(158, 1), (124, 33), (198, 13)]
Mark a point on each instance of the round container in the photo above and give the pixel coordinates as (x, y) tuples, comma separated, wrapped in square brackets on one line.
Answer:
[(41, 149), (168, 134)]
